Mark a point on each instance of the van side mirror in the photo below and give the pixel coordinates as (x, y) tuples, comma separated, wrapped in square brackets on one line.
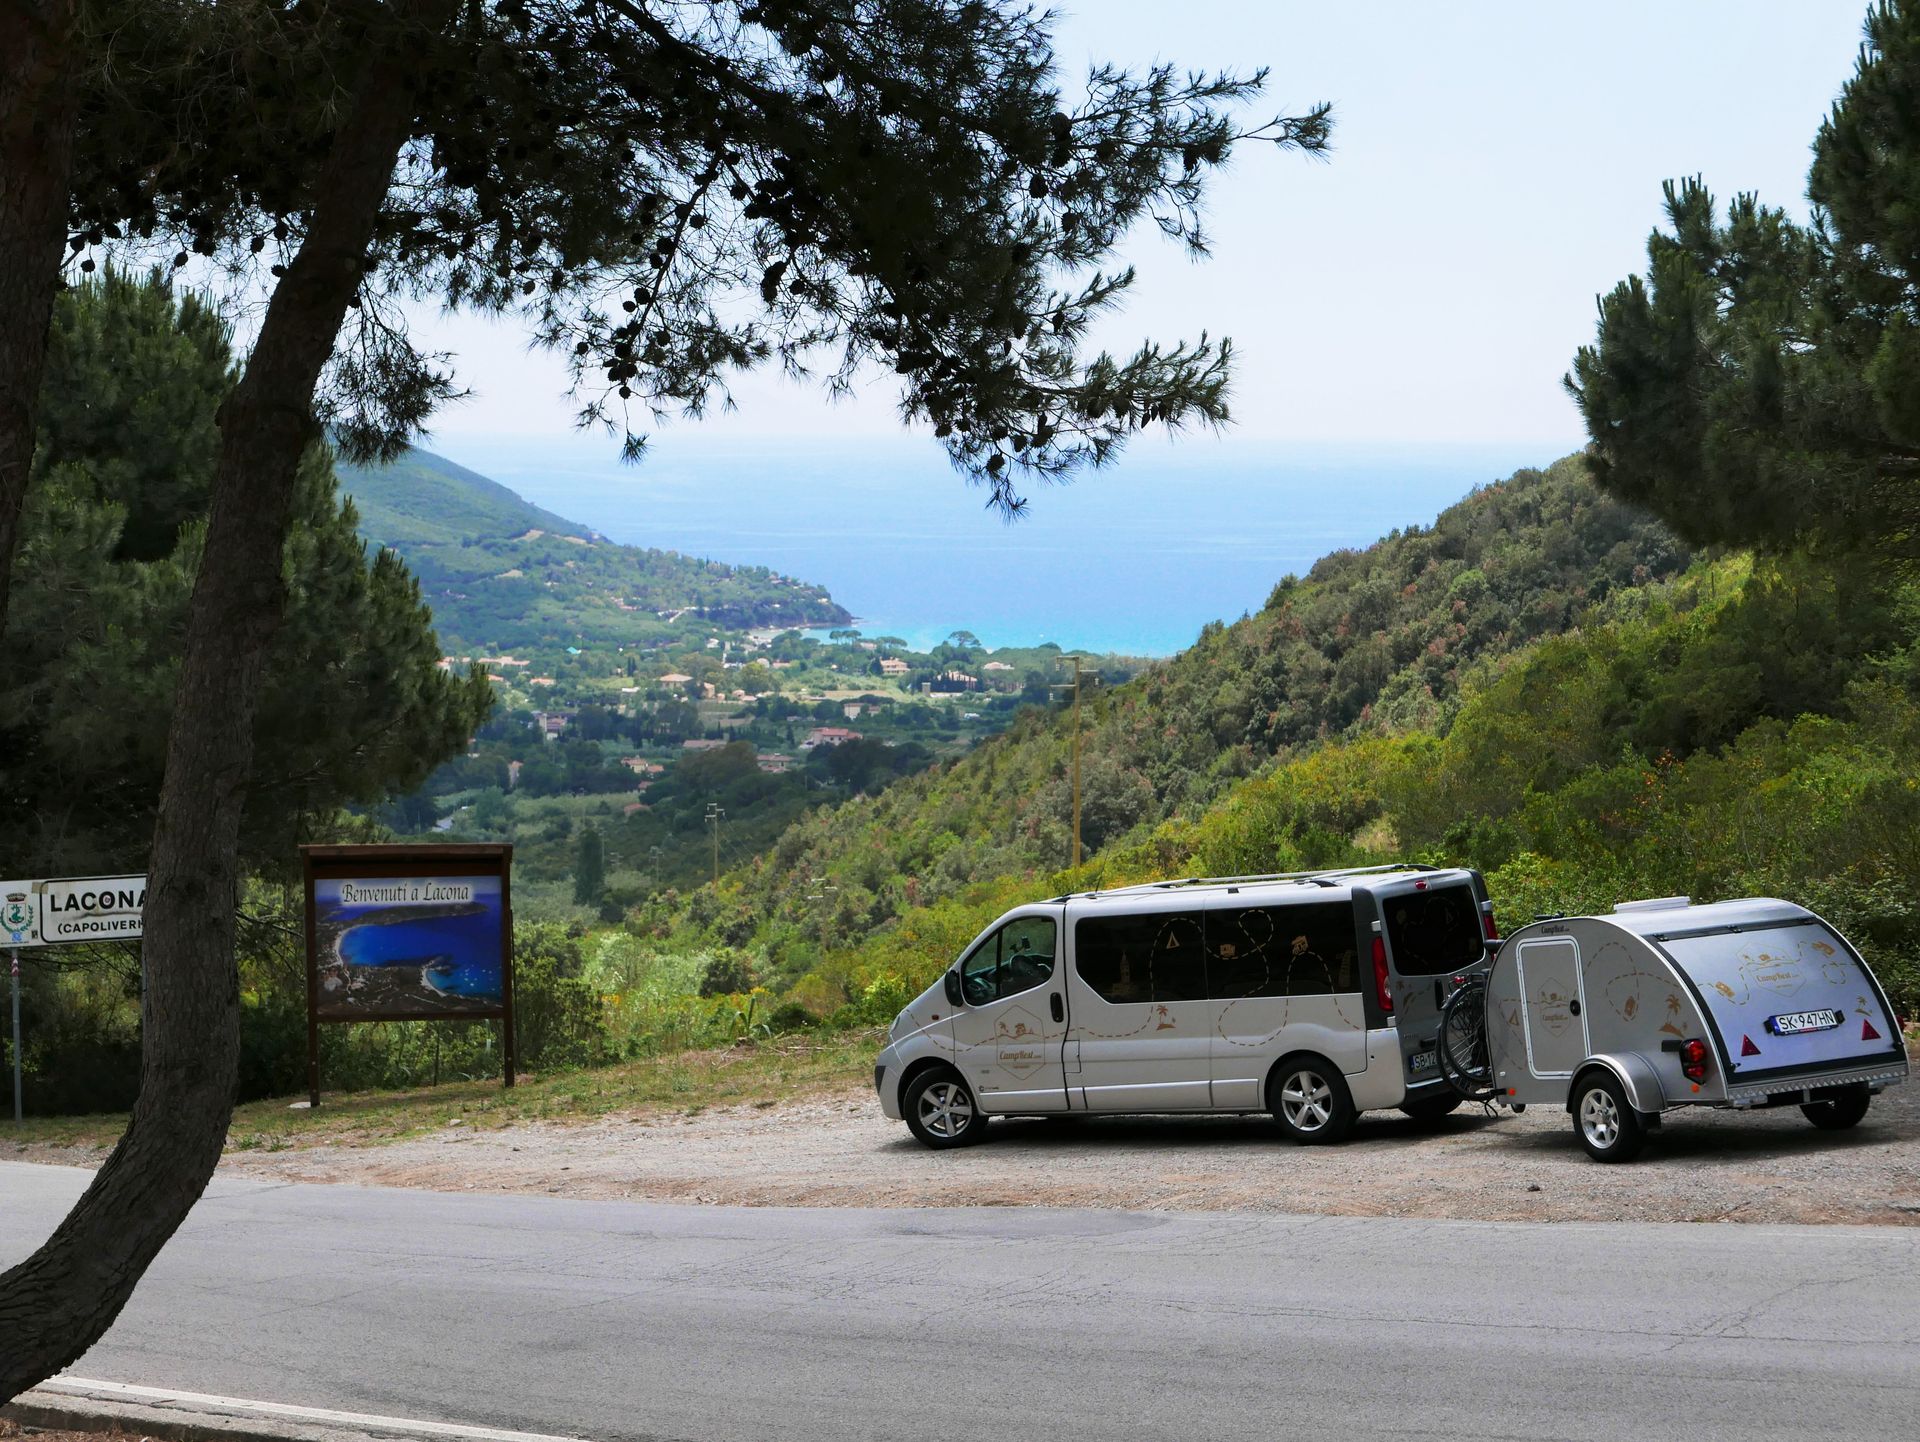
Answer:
[(953, 989)]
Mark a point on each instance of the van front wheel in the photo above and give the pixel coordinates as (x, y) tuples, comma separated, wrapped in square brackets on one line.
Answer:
[(940, 1110), (1311, 1102)]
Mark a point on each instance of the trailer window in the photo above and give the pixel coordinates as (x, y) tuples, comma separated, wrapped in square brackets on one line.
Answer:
[(1300, 950), (1434, 932), (1159, 956)]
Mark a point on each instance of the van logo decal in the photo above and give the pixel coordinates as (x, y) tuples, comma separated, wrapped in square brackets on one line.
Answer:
[(1017, 1038)]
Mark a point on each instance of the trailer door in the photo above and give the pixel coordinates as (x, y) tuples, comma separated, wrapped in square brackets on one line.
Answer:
[(1552, 1005)]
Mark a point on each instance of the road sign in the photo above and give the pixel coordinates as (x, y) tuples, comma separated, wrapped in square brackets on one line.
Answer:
[(66, 910), (19, 914)]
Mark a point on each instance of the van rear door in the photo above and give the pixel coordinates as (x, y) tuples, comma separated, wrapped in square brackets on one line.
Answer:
[(1434, 930)]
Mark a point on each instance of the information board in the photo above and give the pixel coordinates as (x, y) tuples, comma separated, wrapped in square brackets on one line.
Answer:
[(408, 933)]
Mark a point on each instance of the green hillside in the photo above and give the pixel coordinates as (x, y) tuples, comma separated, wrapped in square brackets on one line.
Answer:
[(1368, 642), (503, 575), (427, 498), (1544, 684)]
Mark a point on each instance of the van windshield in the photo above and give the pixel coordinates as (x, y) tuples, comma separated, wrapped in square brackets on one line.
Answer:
[(1434, 932)]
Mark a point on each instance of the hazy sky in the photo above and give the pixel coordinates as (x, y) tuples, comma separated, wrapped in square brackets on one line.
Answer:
[(1496, 165)]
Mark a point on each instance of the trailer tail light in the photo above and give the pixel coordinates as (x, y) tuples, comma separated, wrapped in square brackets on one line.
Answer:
[(1693, 1059), (1380, 987)]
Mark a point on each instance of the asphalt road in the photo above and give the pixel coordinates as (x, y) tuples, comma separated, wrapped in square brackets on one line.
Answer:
[(618, 1320)]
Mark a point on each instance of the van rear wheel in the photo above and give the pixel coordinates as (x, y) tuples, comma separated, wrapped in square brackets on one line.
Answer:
[(1310, 1100), (1431, 1109), (1837, 1113)]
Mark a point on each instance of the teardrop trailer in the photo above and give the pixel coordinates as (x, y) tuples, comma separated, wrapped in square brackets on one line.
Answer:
[(1662, 1004)]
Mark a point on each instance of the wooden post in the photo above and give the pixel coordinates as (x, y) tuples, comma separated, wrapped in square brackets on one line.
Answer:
[(509, 1052), (313, 993)]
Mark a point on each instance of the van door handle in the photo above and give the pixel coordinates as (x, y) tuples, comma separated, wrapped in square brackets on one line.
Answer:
[(1059, 1011)]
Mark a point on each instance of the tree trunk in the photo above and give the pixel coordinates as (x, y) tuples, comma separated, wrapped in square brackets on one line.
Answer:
[(58, 1302), (37, 41)]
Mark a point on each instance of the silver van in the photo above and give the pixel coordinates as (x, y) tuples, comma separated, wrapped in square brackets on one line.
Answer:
[(1313, 996)]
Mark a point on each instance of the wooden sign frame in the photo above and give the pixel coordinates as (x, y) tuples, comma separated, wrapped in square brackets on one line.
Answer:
[(400, 862)]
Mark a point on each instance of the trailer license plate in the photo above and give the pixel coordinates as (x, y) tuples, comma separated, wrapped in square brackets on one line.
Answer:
[(1793, 1022), (1420, 1061)]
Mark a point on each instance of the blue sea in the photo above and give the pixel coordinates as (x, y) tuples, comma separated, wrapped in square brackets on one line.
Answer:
[(1134, 558), (466, 944)]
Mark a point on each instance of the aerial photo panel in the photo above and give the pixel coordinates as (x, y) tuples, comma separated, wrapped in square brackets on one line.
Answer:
[(407, 946)]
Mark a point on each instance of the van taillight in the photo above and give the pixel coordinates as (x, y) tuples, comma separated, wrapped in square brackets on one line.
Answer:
[(1693, 1059), (1380, 987), (1487, 926)]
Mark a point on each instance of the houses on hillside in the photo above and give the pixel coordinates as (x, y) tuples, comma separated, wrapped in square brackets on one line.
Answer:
[(828, 736)]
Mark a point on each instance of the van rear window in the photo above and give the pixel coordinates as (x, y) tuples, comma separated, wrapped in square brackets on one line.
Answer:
[(1434, 932)]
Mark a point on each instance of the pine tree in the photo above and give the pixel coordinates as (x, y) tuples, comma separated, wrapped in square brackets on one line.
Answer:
[(353, 704), (589, 867), (1760, 384), (665, 192)]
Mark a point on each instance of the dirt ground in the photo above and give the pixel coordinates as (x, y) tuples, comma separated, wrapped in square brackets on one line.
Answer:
[(839, 1151)]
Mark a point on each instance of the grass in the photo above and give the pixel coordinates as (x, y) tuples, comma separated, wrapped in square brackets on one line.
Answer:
[(686, 1083)]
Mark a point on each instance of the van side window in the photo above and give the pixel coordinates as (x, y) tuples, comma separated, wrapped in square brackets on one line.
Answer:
[(1156, 957), (1303, 950), (1016, 958)]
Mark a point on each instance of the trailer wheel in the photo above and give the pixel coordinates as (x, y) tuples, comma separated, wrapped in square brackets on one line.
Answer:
[(1604, 1120), (1310, 1100), (1843, 1110)]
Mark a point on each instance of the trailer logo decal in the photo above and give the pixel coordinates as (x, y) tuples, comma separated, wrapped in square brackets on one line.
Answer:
[(1554, 1013)]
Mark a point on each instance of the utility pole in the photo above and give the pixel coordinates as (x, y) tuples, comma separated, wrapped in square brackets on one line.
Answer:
[(1076, 754), (1076, 761), (715, 812)]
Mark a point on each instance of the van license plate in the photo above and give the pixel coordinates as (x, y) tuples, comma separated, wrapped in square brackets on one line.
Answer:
[(1793, 1022), (1423, 1061)]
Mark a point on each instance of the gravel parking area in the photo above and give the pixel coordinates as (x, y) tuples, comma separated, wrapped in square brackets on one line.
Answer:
[(839, 1151)]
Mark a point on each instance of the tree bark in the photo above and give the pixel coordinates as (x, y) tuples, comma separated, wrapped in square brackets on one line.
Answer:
[(58, 1302), (38, 39)]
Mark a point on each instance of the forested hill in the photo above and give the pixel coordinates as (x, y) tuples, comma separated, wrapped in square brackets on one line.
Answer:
[(1378, 639), (422, 497), (503, 575)]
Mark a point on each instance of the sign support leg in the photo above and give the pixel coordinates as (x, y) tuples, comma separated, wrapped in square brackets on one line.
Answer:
[(16, 1036)]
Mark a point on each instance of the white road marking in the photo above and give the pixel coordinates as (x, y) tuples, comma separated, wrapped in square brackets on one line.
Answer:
[(165, 1396)]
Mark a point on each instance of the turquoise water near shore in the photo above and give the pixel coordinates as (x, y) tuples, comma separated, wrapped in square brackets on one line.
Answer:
[(1134, 558), (467, 948)]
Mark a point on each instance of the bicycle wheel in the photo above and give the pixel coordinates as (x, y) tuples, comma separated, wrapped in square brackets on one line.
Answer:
[(1464, 1060)]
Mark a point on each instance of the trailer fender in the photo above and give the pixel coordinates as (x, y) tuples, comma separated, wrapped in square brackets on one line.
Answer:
[(1633, 1072)]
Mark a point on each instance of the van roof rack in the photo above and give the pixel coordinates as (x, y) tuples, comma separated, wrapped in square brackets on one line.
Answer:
[(1327, 876)]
